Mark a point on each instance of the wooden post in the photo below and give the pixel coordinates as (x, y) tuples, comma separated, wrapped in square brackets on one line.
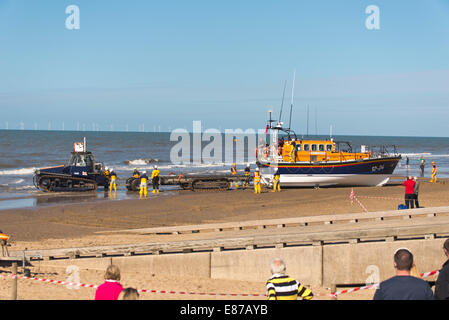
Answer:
[(14, 282)]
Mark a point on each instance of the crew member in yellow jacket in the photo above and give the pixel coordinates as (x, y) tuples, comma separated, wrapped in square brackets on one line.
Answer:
[(143, 184), (434, 173), (276, 181), (155, 177), (257, 181), (113, 182), (234, 173)]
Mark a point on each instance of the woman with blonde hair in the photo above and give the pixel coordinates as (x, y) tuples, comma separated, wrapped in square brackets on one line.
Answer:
[(111, 288)]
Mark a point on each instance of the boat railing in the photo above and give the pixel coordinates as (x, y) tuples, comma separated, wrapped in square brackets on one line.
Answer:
[(383, 151)]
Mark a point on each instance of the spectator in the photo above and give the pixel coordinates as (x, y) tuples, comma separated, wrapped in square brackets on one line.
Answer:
[(442, 283), (129, 294), (409, 185), (283, 287), (422, 164), (416, 192), (111, 288), (403, 286)]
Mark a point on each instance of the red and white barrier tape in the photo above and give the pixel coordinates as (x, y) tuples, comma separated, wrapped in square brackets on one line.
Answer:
[(352, 197), (333, 294), (381, 198), (376, 285)]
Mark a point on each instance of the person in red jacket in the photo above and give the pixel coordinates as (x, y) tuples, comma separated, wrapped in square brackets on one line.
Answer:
[(111, 288), (409, 185)]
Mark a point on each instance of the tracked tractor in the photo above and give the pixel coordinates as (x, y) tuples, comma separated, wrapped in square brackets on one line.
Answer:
[(81, 174)]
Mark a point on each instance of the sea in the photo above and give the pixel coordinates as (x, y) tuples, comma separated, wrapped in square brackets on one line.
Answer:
[(22, 152)]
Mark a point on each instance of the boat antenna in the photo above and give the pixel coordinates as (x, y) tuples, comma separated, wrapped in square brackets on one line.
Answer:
[(307, 120), (291, 105), (316, 122), (282, 103)]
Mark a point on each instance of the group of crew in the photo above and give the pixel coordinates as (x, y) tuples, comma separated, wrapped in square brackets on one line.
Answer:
[(155, 178), (256, 178)]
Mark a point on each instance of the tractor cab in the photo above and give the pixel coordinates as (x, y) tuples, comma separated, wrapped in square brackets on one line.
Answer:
[(80, 174), (85, 159), (82, 162)]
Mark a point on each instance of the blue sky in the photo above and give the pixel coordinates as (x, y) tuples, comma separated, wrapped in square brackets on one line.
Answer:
[(167, 63)]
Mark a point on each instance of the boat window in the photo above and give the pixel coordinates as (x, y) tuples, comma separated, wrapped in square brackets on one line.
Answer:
[(306, 147), (321, 147), (298, 147), (313, 147), (329, 147)]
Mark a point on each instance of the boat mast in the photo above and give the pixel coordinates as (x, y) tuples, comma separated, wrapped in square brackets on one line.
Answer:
[(291, 104), (307, 133), (282, 103)]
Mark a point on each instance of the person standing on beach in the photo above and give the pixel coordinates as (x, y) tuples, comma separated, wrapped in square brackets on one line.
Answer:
[(276, 181), (234, 173), (422, 164), (403, 286), (282, 287), (406, 162), (257, 181), (111, 288), (416, 193), (247, 175), (143, 185), (113, 182), (155, 177), (434, 173), (409, 185), (442, 283)]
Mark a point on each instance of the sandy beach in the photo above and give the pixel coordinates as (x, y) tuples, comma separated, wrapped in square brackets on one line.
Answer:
[(75, 225)]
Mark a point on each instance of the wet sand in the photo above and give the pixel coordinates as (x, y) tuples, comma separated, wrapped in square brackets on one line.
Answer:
[(75, 225)]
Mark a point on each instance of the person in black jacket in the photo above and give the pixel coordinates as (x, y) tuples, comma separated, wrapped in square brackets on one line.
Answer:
[(442, 283)]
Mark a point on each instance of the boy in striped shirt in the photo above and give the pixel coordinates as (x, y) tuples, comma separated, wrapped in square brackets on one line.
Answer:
[(283, 287)]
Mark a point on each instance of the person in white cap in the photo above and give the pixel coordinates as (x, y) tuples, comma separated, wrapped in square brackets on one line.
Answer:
[(143, 184), (113, 183), (155, 176)]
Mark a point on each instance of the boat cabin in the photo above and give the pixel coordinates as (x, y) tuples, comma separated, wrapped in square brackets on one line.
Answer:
[(318, 150)]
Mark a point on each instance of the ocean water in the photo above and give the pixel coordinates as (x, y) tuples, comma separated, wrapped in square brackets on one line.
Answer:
[(22, 152)]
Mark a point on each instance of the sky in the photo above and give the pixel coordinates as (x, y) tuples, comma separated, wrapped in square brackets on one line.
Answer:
[(160, 65)]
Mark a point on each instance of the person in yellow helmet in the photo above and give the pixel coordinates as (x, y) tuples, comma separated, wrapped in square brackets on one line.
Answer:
[(234, 173), (276, 181), (143, 185), (136, 174), (434, 173), (155, 177), (257, 181), (113, 182)]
